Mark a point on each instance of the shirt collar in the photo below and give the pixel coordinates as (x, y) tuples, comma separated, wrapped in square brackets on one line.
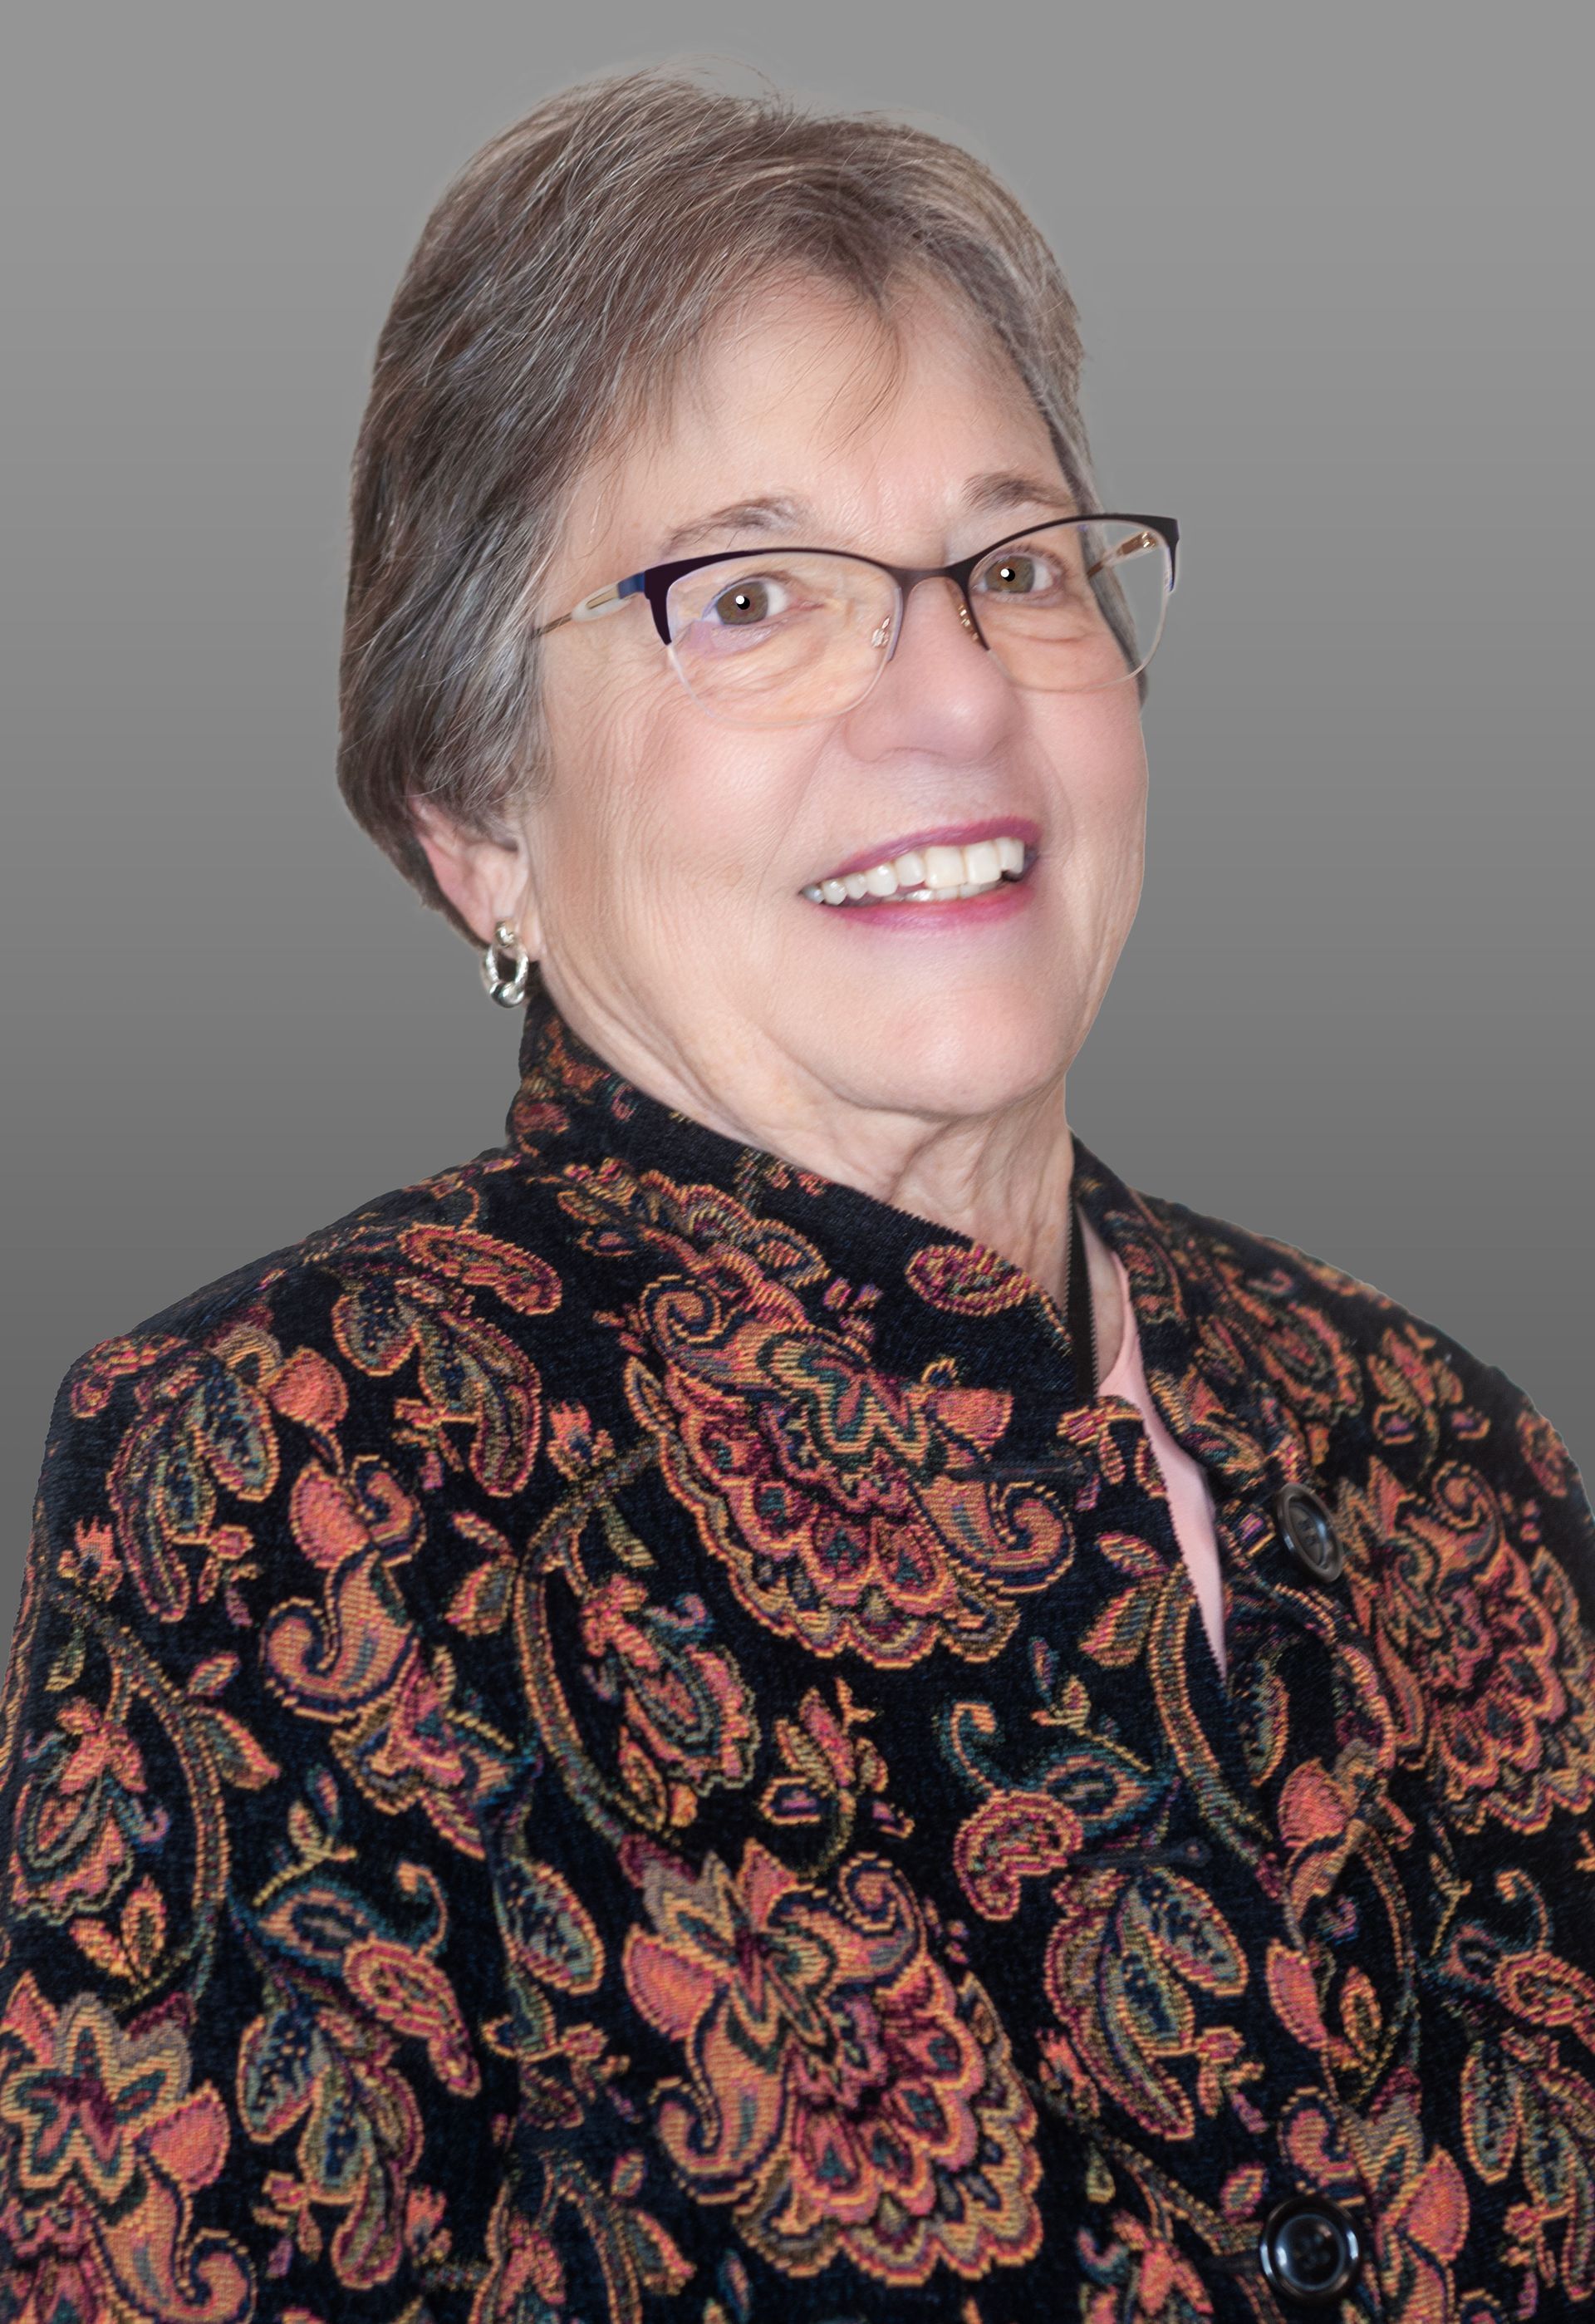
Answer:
[(920, 1294)]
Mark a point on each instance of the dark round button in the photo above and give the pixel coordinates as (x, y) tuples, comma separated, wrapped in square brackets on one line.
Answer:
[(1308, 1532), (1310, 2251)]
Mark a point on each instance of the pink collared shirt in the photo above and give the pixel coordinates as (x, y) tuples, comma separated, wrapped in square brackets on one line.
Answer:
[(1189, 1498)]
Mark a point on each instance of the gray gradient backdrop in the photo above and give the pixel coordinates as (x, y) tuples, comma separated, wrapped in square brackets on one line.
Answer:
[(1332, 268)]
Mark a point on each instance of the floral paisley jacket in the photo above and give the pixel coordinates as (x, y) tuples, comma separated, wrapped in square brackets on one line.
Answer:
[(608, 1739)]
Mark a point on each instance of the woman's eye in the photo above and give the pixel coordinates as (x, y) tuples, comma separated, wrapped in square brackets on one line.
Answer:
[(1020, 573), (754, 598)]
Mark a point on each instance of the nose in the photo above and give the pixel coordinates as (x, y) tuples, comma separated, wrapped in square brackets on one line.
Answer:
[(940, 690), (942, 590)]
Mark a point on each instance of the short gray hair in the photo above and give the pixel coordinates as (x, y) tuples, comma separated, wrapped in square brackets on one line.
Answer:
[(579, 263)]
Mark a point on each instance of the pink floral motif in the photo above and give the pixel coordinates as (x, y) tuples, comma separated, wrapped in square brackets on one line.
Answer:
[(83, 1811), (687, 1720), (1417, 2198), (1545, 1454), (849, 1508), (1139, 2278), (842, 2094), (110, 2145), (1480, 1647), (1292, 1343), (967, 1280)]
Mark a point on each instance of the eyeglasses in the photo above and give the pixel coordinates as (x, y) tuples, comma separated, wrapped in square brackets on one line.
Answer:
[(779, 637)]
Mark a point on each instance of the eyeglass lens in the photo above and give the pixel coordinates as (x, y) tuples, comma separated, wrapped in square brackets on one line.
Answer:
[(770, 638)]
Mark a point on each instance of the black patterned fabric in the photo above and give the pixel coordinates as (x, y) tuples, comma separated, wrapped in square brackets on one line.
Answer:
[(607, 1738)]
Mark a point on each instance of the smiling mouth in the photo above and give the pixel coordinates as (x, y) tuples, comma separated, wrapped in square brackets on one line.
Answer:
[(930, 875)]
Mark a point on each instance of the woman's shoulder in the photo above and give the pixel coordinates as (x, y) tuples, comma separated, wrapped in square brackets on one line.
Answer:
[(1275, 1280), (488, 1204), (1353, 1365), (404, 1333), (351, 1396)]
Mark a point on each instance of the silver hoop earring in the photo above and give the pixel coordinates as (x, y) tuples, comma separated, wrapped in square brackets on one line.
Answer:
[(510, 991)]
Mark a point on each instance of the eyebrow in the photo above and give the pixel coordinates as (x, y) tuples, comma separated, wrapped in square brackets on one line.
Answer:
[(991, 490), (771, 512), (1005, 488)]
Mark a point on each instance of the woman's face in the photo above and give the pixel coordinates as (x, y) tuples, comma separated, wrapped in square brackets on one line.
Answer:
[(667, 861)]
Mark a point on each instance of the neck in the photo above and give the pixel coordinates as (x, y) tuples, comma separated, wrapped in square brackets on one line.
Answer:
[(1001, 1178)]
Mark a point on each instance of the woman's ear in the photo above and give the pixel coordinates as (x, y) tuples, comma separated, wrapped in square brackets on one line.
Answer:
[(485, 879)]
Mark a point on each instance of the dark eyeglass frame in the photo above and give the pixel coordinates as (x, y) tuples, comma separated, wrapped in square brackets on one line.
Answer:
[(655, 582)]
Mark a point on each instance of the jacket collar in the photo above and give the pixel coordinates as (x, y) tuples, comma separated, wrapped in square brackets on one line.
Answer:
[(926, 1300)]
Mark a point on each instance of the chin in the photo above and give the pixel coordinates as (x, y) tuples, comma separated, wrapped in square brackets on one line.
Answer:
[(967, 1060)]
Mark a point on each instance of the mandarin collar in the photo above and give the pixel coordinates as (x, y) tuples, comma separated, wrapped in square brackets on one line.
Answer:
[(925, 1298)]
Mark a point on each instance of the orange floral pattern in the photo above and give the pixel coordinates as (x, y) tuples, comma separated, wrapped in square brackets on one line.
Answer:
[(609, 1739), (849, 1509), (845, 2096), (109, 2143)]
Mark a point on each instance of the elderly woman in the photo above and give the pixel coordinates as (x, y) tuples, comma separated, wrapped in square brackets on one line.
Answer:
[(781, 1698)]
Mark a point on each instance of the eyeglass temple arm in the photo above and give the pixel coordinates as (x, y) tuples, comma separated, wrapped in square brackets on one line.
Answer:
[(1131, 547), (607, 600)]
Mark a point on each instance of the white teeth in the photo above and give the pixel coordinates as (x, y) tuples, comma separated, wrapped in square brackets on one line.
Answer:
[(927, 875), (944, 867)]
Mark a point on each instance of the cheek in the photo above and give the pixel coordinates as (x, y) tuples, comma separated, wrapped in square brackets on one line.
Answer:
[(1095, 748), (654, 809), (1116, 747), (613, 747)]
